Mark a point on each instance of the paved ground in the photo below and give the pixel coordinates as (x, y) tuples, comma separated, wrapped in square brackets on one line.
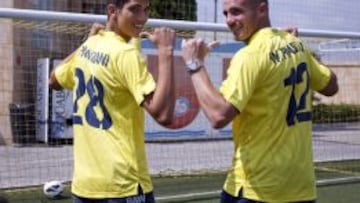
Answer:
[(34, 165)]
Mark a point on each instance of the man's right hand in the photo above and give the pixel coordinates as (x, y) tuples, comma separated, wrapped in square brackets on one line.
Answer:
[(95, 28), (292, 30), (161, 37), (196, 49)]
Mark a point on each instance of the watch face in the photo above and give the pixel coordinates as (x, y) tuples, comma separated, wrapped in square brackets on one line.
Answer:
[(193, 65)]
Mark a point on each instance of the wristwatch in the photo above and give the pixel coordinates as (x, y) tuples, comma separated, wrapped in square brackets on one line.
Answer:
[(193, 66)]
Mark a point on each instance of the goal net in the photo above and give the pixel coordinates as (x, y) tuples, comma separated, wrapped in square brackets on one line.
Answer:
[(33, 150)]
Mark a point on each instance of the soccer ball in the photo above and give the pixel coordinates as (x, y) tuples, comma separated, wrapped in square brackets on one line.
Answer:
[(53, 189)]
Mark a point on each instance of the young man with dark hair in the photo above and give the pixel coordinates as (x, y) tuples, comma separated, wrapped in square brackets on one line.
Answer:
[(112, 86)]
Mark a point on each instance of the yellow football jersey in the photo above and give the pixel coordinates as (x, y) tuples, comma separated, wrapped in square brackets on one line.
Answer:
[(109, 79), (270, 81)]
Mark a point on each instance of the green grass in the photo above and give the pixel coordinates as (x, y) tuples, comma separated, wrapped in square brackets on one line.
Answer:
[(345, 193), (337, 169), (171, 186), (335, 113)]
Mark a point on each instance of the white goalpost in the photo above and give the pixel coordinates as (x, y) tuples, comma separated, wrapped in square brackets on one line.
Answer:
[(178, 24), (50, 35)]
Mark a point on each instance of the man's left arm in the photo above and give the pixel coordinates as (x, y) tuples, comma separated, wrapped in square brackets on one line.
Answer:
[(219, 111), (53, 82)]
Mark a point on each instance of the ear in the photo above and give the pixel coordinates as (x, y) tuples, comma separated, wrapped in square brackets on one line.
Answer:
[(111, 14), (110, 9), (263, 8)]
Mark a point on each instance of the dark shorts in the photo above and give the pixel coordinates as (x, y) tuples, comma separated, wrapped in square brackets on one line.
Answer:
[(144, 198), (227, 198), (140, 198)]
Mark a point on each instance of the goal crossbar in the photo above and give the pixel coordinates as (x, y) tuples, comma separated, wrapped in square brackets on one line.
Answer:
[(41, 15)]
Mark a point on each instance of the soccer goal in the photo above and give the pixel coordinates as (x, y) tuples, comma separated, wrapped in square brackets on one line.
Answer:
[(33, 152)]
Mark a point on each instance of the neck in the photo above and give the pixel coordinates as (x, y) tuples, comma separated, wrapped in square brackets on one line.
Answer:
[(257, 30), (117, 31), (108, 27)]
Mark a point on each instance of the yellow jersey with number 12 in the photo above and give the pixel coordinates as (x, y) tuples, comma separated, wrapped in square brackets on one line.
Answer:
[(109, 79), (270, 82)]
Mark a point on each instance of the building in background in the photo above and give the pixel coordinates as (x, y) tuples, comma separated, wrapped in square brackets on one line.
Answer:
[(23, 42)]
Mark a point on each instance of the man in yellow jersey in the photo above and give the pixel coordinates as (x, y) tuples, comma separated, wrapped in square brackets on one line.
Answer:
[(267, 96), (111, 86)]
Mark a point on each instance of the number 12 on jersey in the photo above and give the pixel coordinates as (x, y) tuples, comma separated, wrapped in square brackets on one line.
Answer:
[(296, 110)]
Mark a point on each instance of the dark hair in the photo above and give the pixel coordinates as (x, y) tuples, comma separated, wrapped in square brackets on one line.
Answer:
[(255, 2), (118, 3)]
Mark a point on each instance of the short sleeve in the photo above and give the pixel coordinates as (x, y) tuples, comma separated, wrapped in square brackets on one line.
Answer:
[(320, 74), (64, 73), (241, 79), (135, 75)]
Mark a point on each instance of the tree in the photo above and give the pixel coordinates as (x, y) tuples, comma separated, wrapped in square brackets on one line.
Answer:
[(174, 9)]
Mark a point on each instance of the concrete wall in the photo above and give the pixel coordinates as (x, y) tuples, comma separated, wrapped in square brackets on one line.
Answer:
[(6, 74), (349, 82), (22, 43)]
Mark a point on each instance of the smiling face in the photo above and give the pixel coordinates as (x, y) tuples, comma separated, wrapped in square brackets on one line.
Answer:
[(245, 17), (129, 20)]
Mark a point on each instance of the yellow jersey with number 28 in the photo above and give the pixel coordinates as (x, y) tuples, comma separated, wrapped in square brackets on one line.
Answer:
[(109, 79)]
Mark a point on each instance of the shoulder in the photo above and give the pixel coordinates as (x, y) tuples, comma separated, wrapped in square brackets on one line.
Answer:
[(248, 56), (122, 51), (128, 57), (111, 41)]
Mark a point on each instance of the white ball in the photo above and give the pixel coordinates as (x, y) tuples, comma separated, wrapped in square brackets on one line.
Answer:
[(53, 189)]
